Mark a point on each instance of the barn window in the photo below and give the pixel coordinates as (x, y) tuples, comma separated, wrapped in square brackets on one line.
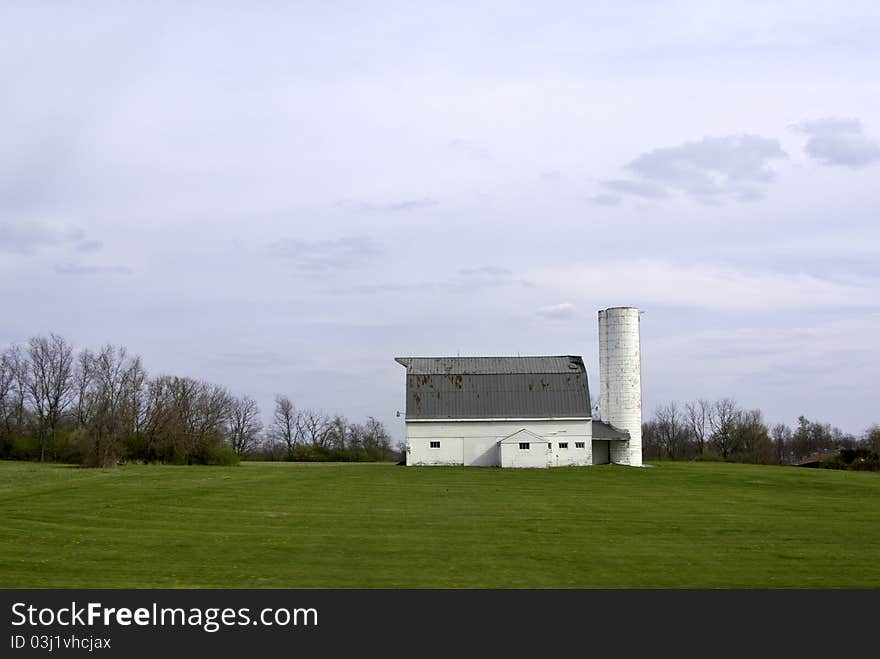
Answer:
[(435, 444), (579, 445), (524, 446), (563, 444)]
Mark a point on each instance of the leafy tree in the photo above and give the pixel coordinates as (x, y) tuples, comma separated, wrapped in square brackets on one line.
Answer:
[(872, 439), (750, 439)]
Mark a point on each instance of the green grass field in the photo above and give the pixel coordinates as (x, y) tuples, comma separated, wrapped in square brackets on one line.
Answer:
[(284, 525)]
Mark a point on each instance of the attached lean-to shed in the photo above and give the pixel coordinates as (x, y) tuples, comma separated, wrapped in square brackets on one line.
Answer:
[(525, 449)]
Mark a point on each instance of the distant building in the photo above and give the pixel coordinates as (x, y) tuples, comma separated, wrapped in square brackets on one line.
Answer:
[(814, 460), (528, 411)]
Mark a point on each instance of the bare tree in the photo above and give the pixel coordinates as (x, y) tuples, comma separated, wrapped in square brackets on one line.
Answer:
[(7, 378), (722, 421), (100, 407), (183, 419), (208, 417), (284, 428), (651, 447), (113, 392), (781, 435), (135, 393), (83, 381), (7, 400), (98, 382), (244, 425), (339, 436), (671, 430), (316, 428), (181, 431), (20, 367), (357, 440), (159, 420), (49, 383), (697, 414), (377, 437)]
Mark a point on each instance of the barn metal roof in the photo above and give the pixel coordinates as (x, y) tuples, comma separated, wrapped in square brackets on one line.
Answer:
[(490, 365), (496, 387), (602, 430)]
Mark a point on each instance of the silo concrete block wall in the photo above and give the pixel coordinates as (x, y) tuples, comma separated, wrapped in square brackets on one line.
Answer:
[(620, 375), (603, 366)]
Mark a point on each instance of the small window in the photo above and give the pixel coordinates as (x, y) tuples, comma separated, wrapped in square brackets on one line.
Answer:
[(579, 445), (563, 444), (524, 446), (435, 444)]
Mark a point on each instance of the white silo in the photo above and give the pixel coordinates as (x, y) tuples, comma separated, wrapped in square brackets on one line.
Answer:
[(620, 380)]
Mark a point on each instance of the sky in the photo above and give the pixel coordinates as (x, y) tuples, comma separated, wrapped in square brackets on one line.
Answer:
[(282, 197)]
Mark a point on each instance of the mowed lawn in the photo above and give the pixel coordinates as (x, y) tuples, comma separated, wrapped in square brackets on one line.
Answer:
[(693, 525)]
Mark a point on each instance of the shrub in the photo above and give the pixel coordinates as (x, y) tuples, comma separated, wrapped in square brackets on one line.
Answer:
[(224, 456), (25, 448), (221, 455)]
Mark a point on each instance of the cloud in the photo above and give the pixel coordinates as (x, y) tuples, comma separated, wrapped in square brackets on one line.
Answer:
[(484, 271), (76, 269), (712, 286), (561, 311), (552, 176), (470, 149), (466, 280), (89, 246), (483, 276), (261, 359), (405, 205), (713, 166), (709, 170), (605, 199), (836, 141), (393, 206), (322, 255), (643, 189), (383, 288), (27, 236)]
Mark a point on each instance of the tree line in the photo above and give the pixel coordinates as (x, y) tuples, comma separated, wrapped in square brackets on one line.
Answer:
[(721, 430), (100, 408)]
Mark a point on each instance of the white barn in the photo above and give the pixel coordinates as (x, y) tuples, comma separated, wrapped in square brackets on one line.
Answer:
[(527, 411)]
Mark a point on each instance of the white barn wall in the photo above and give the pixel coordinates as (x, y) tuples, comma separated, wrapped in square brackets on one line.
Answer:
[(475, 443), (419, 452), (571, 456), (537, 455)]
